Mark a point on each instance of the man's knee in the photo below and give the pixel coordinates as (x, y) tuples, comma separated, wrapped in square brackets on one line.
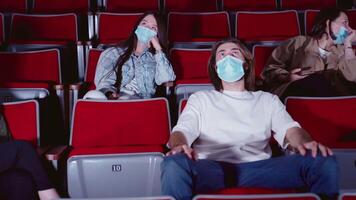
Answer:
[(174, 162), (329, 166)]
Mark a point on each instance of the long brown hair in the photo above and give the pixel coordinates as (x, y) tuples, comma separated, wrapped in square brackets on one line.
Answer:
[(249, 69), (129, 45), (320, 25)]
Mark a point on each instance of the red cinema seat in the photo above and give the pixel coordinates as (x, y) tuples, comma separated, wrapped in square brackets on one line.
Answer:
[(249, 5), (126, 137), (304, 196), (131, 6), (115, 27), (12, 6), (267, 26), (191, 69), (190, 5), (206, 27), (29, 32), (329, 120), (307, 4)]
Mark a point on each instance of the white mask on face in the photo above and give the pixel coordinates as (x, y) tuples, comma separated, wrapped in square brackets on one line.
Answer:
[(323, 53)]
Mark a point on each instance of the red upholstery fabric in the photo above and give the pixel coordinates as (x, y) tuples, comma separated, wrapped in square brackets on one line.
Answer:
[(331, 121), (2, 29), (190, 63), (261, 197), (60, 6), (114, 27), (114, 150), (261, 55), (351, 14), (19, 6), (348, 196), (267, 26), (198, 27), (182, 105), (46, 85), (191, 5), (127, 6), (61, 27), (120, 123), (249, 5), (31, 66), (309, 17), (93, 58), (307, 4), (236, 191), (22, 120)]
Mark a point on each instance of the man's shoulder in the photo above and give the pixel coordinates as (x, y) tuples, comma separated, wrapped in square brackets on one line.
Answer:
[(264, 95), (205, 93)]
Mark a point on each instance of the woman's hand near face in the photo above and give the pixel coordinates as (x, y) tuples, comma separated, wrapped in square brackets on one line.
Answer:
[(350, 38), (155, 43)]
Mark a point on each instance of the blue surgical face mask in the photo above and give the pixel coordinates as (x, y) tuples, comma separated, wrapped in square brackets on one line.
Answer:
[(341, 35), (230, 69), (144, 34)]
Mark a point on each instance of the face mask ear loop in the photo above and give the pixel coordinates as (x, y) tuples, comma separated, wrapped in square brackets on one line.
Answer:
[(331, 33)]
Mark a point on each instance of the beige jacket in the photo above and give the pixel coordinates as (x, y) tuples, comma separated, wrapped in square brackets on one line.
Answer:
[(303, 52)]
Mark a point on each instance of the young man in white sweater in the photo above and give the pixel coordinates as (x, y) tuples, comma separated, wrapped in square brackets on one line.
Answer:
[(222, 137)]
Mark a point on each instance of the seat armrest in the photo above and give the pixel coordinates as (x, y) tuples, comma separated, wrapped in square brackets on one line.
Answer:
[(169, 85), (41, 150), (76, 86), (56, 153)]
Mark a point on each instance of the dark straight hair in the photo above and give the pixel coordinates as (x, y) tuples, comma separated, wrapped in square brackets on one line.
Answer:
[(320, 22), (248, 65), (129, 45)]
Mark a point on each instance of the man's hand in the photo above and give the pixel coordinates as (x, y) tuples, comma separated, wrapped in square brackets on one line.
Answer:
[(182, 149), (314, 147)]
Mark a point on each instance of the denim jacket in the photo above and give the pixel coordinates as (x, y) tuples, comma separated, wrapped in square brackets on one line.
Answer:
[(148, 69)]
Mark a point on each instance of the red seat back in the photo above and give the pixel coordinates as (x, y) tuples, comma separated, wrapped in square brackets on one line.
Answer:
[(60, 6), (113, 27), (19, 6), (58, 27), (249, 5), (120, 123), (132, 6), (309, 17), (198, 27), (347, 196), (331, 121), (32, 66), (261, 53), (92, 61), (2, 29), (307, 4), (22, 119), (260, 196), (190, 63), (190, 5), (267, 26)]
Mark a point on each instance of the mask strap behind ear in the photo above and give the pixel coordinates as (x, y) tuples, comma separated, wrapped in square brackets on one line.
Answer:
[(331, 33)]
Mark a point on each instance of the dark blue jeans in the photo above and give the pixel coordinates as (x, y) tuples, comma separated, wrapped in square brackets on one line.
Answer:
[(182, 177)]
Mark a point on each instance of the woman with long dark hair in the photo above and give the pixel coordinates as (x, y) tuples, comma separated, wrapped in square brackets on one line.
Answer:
[(320, 64), (135, 67)]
